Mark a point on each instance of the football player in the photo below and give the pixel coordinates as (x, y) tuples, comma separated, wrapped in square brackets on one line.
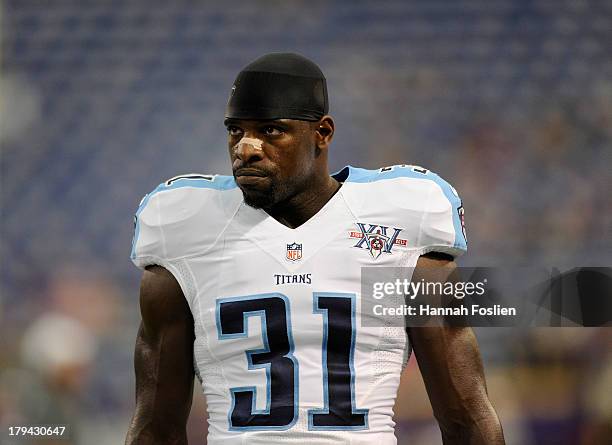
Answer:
[(252, 284)]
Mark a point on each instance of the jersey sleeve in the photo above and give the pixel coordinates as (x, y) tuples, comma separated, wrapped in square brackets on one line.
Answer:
[(148, 244), (442, 225), (182, 217)]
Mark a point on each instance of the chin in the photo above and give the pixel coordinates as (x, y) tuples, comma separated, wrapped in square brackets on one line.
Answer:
[(258, 200), (265, 198)]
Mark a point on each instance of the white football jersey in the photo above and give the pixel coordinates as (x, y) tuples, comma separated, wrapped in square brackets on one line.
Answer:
[(279, 347)]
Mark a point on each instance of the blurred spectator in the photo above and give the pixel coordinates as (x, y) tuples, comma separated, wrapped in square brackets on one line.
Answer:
[(57, 354)]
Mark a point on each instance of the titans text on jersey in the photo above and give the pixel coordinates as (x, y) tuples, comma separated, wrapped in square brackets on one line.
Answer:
[(279, 348)]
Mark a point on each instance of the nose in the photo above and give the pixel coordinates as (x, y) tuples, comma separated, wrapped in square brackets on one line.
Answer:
[(249, 149)]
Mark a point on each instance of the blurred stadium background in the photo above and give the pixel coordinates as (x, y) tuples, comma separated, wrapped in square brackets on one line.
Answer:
[(511, 101)]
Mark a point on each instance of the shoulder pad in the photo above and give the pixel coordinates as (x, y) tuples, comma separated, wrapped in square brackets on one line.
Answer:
[(169, 220), (418, 195)]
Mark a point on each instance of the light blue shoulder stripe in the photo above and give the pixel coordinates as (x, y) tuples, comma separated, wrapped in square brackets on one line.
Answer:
[(362, 175), (217, 182)]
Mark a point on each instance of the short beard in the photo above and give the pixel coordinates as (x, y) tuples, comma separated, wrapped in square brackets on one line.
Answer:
[(267, 199), (258, 200)]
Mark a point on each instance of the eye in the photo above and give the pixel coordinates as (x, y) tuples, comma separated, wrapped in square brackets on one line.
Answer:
[(271, 130), (233, 130)]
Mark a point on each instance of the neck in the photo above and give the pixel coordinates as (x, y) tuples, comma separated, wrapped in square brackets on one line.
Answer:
[(298, 209)]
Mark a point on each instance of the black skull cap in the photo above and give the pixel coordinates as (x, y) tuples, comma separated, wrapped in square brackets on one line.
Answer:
[(279, 86)]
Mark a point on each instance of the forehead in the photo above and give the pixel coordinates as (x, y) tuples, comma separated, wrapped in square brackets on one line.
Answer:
[(251, 123)]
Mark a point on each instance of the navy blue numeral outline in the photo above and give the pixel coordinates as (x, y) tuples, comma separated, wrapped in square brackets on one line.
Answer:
[(325, 410), (191, 176), (249, 353), (266, 349)]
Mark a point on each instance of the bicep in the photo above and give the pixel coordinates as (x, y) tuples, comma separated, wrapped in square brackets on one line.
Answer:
[(448, 357), (451, 367), (163, 358)]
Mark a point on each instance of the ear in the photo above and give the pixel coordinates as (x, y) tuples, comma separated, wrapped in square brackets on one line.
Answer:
[(324, 132)]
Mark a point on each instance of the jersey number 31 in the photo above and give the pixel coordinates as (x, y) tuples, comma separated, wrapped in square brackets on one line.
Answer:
[(276, 357)]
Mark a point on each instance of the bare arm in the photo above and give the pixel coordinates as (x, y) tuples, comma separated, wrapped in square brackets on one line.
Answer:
[(163, 362), (452, 370)]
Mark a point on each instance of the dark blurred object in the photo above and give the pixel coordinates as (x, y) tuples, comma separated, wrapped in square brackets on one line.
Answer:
[(582, 296)]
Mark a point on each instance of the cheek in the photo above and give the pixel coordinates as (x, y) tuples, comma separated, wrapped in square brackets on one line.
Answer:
[(306, 154), (232, 156), (230, 147), (292, 158)]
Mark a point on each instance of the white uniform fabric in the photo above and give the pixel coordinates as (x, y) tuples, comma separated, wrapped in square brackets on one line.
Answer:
[(222, 251)]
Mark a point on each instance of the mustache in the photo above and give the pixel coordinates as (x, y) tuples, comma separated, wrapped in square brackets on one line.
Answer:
[(249, 171)]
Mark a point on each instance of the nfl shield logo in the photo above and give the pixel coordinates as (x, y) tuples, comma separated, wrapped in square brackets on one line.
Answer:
[(294, 252)]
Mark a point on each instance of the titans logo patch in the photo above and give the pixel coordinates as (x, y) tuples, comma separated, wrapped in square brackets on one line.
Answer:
[(377, 239)]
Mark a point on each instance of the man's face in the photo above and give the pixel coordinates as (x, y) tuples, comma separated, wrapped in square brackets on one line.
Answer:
[(271, 160)]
